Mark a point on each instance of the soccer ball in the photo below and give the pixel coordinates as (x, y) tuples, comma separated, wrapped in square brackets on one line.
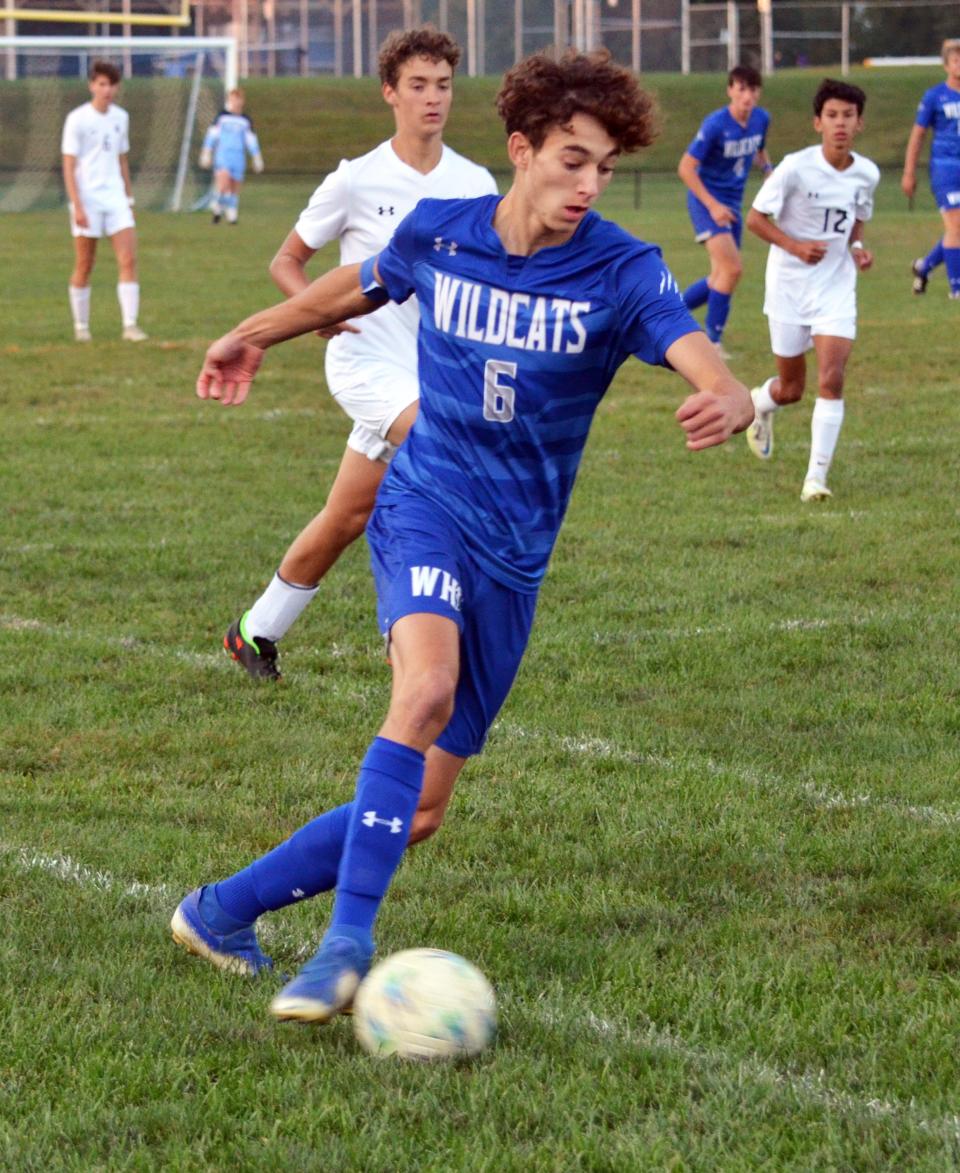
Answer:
[(425, 1004)]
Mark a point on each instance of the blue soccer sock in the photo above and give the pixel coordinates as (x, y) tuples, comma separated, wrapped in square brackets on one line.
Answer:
[(696, 294), (388, 790), (718, 310), (933, 258), (302, 866), (951, 258)]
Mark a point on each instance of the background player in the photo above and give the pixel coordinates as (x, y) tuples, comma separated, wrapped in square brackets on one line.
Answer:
[(821, 197), (226, 145), (95, 143), (372, 373), (715, 168), (529, 305), (940, 109)]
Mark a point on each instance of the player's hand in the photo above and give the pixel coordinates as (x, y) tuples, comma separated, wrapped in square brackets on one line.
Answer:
[(229, 367), (710, 419), (206, 158), (721, 215), (862, 258), (908, 185), (80, 217), (339, 328), (811, 252), (258, 163)]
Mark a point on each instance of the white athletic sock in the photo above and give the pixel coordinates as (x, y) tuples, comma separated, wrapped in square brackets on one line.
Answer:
[(80, 306), (278, 608), (128, 294), (824, 433), (763, 400), (215, 206)]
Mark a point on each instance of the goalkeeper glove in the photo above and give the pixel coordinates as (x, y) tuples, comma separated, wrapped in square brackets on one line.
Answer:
[(206, 157), (258, 163)]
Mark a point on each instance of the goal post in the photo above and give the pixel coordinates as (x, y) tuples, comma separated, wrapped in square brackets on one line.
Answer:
[(172, 89)]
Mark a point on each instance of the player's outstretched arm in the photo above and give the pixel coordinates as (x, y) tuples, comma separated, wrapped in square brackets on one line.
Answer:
[(720, 404), (231, 363)]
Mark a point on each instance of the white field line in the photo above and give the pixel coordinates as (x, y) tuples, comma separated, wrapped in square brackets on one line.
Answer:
[(598, 747), (809, 1087)]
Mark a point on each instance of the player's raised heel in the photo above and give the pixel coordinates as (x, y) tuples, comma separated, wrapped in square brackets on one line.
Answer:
[(920, 277), (258, 656), (326, 985), (238, 952), (814, 490), (760, 432)]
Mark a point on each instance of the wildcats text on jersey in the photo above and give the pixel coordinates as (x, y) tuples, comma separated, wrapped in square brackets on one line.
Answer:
[(737, 148), (523, 321)]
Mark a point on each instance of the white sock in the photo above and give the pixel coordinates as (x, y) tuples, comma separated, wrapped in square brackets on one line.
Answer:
[(80, 306), (128, 294), (824, 433), (232, 215), (277, 609), (763, 400)]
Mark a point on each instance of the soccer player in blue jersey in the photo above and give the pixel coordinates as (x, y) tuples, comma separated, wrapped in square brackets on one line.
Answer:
[(529, 303), (225, 148), (715, 168), (939, 109)]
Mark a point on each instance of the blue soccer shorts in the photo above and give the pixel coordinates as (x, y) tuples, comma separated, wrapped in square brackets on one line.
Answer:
[(704, 225), (233, 163), (420, 565), (945, 185)]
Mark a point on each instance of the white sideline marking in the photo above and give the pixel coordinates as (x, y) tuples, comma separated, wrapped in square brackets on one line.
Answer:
[(808, 1086)]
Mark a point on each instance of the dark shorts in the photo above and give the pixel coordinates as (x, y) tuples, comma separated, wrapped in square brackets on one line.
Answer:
[(704, 225), (420, 566), (945, 185)]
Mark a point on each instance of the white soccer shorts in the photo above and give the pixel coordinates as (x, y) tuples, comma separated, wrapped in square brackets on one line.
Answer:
[(105, 217), (789, 340), (374, 405)]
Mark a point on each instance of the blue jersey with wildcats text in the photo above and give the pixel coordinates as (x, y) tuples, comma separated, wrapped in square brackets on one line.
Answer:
[(940, 109), (514, 355), (725, 150)]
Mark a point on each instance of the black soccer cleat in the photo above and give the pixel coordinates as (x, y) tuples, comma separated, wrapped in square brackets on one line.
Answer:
[(920, 276), (258, 657), (215, 218)]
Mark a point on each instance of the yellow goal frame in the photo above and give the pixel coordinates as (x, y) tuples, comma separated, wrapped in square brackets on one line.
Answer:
[(82, 16)]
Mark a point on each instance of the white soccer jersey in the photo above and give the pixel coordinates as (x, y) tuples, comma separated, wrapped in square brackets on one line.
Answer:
[(811, 200), (360, 204), (97, 141)]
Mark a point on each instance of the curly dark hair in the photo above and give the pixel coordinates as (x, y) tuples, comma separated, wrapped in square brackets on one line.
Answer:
[(105, 69), (425, 41), (543, 91), (841, 90)]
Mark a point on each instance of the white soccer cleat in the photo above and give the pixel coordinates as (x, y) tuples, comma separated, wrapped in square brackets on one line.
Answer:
[(134, 334), (760, 432), (82, 334), (814, 490)]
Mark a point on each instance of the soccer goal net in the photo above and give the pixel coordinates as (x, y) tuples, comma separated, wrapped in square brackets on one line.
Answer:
[(172, 90)]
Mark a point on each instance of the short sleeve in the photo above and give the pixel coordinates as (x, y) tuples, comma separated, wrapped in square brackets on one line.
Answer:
[(926, 111), (700, 147), (395, 263), (651, 309), (864, 199), (325, 217), (124, 146), (770, 198), (763, 131), (70, 141)]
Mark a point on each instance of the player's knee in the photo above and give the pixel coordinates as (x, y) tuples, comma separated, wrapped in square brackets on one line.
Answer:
[(791, 390), (831, 382), (426, 697)]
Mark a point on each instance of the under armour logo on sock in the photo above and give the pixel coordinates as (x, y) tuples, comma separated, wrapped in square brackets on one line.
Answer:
[(370, 820)]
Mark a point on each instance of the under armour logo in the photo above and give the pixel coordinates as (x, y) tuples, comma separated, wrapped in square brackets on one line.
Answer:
[(439, 244), (386, 211), (370, 820), (298, 893), (813, 195)]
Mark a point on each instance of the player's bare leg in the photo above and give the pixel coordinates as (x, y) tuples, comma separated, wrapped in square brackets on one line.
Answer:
[(124, 245), (252, 639), (84, 258)]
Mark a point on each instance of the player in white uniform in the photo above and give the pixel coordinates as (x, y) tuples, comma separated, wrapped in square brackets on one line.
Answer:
[(95, 173), (821, 198), (371, 371)]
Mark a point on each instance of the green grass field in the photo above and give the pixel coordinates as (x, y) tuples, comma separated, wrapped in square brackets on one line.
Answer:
[(709, 860)]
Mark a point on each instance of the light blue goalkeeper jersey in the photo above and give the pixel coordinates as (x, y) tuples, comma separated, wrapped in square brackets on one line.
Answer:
[(515, 353)]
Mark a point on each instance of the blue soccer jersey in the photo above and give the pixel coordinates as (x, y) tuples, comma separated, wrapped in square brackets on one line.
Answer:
[(230, 137), (939, 110), (515, 353), (725, 151)]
